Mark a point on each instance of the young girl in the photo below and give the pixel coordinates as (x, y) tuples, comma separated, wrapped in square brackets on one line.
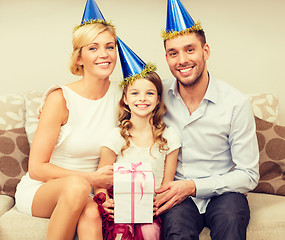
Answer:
[(140, 137)]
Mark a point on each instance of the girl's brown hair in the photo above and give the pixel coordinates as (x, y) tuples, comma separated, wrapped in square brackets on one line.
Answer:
[(156, 122)]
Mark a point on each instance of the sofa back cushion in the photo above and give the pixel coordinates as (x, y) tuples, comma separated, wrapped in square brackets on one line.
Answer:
[(271, 141), (14, 155), (33, 102), (12, 111), (265, 106)]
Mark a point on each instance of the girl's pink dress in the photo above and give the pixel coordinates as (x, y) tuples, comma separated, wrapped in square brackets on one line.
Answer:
[(127, 231)]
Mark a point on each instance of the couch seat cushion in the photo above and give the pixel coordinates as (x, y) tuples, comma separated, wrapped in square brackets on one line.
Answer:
[(267, 219), (16, 225)]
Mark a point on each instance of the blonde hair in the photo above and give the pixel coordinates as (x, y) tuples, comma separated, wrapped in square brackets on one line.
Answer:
[(82, 36), (156, 122)]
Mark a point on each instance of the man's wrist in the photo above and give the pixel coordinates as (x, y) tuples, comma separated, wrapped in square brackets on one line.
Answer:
[(191, 188)]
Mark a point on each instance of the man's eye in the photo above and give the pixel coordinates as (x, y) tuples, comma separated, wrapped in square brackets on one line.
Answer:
[(190, 50), (172, 54)]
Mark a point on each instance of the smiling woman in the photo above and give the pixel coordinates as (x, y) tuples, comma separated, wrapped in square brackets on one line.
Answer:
[(66, 147)]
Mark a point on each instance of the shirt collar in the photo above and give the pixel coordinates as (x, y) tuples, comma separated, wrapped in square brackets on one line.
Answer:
[(173, 89), (211, 92)]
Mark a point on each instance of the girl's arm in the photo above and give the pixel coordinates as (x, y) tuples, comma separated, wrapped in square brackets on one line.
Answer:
[(107, 157), (169, 169), (53, 116)]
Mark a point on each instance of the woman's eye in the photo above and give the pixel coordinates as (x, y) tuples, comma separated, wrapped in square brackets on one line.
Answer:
[(150, 93), (93, 49), (110, 48), (134, 93)]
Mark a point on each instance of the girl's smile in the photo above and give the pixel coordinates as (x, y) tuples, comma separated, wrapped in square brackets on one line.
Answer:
[(141, 97)]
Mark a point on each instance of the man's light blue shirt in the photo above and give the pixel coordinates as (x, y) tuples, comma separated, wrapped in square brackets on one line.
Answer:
[(219, 149)]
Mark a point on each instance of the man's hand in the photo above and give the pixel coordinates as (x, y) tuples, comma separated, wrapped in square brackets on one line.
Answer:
[(178, 191)]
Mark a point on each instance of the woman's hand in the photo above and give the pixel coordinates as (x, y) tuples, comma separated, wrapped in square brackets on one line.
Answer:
[(109, 207), (103, 177)]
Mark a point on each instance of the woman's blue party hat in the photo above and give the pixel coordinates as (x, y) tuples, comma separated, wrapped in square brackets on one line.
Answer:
[(92, 14), (132, 66), (178, 21)]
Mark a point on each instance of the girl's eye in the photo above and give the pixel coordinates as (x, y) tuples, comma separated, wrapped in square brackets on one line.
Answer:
[(134, 93), (110, 48), (93, 49), (150, 93)]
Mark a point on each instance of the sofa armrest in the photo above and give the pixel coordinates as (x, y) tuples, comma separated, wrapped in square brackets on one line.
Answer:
[(6, 203)]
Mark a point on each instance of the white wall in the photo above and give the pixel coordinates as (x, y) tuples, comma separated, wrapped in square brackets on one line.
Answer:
[(246, 39)]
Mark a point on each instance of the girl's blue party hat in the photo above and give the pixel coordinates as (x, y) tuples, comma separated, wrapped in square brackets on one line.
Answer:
[(132, 66)]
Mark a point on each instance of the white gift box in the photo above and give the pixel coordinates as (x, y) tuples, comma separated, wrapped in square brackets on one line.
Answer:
[(133, 193)]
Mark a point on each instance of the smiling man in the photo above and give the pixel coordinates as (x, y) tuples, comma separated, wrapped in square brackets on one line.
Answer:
[(218, 160)]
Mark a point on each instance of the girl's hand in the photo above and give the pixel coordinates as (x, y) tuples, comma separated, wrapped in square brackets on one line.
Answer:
[(109, 207), (154, 207)]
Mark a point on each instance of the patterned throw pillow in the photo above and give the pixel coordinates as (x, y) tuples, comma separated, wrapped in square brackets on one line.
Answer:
[(14, 155), (271, 141), (265, 106), (33, 102), (12, 111)]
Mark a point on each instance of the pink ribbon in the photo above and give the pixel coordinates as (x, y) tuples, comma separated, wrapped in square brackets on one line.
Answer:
[(134, 174)]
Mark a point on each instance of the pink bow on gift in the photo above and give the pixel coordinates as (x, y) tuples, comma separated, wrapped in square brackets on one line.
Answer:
[(135, 173)]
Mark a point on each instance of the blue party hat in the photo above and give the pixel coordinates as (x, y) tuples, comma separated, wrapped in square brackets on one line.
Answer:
[(178, 21), (92, 14), (132, 66)]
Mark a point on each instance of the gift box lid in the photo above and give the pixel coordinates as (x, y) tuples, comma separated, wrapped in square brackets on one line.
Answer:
[(141, 173)]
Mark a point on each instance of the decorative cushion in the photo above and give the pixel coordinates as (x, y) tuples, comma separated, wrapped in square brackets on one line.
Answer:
[(14, 155), (33, 102), (271, 141), (265, 106), (12, 111)]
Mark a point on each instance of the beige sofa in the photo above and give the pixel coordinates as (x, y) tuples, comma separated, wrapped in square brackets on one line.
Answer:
[(18, 120)]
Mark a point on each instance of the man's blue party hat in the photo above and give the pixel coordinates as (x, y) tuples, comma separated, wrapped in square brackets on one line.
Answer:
[(178, 21), (92, 14), (132, 66)]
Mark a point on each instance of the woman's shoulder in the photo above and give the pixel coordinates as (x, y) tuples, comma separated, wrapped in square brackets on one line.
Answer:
[(54, 95)]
